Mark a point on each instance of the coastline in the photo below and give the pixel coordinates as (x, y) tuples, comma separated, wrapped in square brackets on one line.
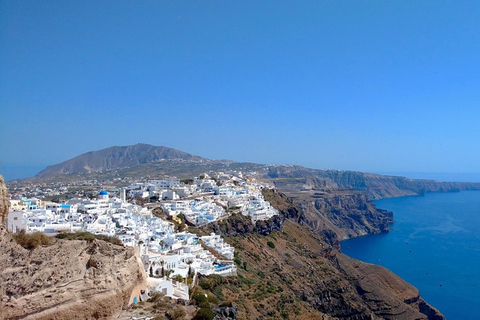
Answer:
[(423, 248)]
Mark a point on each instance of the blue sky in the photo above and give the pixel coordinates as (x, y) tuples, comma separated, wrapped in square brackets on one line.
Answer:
[(378, 86)]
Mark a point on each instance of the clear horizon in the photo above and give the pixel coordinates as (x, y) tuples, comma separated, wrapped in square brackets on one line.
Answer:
[(366, 86)]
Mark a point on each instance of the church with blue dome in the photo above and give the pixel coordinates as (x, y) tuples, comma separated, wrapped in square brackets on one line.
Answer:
[(103, 194)]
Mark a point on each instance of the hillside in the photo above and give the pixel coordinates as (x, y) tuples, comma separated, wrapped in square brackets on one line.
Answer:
[(74, 279), (302, 277), (4, 203), (115, 158), (287, 270), (63, 279)]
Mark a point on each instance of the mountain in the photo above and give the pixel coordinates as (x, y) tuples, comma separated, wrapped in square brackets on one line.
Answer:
[(115, 158)]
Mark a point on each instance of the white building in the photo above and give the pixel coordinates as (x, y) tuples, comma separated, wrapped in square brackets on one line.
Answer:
[(17, 220)]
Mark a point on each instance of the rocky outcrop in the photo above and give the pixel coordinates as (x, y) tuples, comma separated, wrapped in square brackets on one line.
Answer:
[(339, 214), (388, 296), (238, 224), (4, 202), (349, 214), (226, 312), (70, 279)]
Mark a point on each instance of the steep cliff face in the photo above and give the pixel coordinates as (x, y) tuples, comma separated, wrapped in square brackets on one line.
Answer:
[(388, 296), (349, 214), (299, 276), (4, 202), (379, 186), (374, 185), (70, 279), (338, 214)]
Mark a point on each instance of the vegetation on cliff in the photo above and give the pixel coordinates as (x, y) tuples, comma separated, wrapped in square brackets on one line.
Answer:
[(293, 272), (289, 267)]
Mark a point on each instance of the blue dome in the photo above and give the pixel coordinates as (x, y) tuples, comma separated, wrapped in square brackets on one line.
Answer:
[(103, 193)]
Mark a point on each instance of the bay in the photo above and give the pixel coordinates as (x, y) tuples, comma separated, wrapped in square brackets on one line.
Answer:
[(434, 244)]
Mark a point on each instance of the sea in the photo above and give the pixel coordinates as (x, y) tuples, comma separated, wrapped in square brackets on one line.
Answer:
[(433, 244), (19, 171)]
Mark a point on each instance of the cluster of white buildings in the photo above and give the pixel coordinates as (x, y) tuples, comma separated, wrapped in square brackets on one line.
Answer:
[(211, 201), (165, 254)]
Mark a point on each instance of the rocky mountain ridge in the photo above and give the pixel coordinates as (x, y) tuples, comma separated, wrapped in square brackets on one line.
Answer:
[(115, 158), (152, 161)]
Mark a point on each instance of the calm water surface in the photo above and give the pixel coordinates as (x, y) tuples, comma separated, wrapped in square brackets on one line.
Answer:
[(435, 245)]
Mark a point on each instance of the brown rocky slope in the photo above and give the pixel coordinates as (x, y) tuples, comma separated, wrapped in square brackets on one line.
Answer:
[(294, 274), (288, 270), (4, 202), (70, 279)]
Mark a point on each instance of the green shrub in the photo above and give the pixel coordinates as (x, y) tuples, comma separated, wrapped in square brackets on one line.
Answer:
[(204, 314), (177, 314), (199, 297), (271, 244), (212, 299), (178, 278), (237, 261), (204, 284)]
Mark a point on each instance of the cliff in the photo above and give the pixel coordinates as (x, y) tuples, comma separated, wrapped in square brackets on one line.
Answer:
[(380, 186), (375, 186), (4, 202), (337, 214), (348, 214), (295, 274), (238, 224), (69, 279), (294, 260)]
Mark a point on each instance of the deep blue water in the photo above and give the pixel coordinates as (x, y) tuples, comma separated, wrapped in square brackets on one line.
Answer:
[(14, 171), (435, 245)]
